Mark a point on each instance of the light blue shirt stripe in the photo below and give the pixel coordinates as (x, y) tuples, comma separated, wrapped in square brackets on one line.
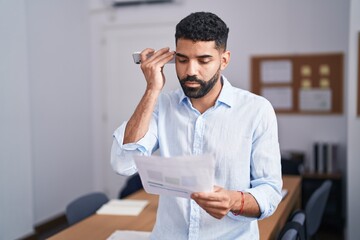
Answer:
[(240, 130)]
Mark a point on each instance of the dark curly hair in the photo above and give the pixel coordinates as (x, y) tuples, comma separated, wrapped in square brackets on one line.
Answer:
[(203, 26)]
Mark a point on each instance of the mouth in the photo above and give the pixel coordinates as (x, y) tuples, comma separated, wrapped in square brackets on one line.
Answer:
[(191, 84)]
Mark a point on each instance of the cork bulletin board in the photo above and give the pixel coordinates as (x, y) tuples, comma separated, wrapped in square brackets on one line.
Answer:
[(300, 84)]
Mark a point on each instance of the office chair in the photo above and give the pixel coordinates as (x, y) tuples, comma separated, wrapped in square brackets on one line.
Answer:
[(133, 184), (294, 229), (304, 224), (315, 207), (84, 206)]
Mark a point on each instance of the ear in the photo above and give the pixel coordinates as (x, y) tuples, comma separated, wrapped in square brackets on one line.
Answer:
[(225, 59)]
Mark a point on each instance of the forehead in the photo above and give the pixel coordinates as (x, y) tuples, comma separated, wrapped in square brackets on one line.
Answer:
[(189, 47)]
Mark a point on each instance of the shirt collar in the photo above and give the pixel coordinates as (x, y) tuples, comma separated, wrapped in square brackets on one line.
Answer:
[(226, 95)]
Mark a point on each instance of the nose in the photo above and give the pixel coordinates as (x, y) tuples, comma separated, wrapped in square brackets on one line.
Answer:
[(192, 68)]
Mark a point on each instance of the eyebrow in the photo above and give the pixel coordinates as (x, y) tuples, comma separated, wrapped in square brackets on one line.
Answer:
[(200, 56)]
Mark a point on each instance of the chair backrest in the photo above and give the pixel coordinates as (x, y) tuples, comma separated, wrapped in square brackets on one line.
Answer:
[(84, 206), (315, 207), (133, 184), (294, 229)]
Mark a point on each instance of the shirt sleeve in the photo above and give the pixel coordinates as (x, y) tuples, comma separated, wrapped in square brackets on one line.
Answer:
[(122, 160), (266, 180), (265, 164)]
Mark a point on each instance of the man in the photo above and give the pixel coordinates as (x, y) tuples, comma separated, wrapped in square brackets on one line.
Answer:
[(207, 115)]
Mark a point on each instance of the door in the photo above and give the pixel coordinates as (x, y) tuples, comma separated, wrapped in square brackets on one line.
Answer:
[(124, 83)]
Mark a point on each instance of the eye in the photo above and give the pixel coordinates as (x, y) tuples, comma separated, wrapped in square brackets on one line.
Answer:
[(181, 60), (204, 60)]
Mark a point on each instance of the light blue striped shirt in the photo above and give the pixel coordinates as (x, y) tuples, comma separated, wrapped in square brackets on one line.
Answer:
[(240, 130)]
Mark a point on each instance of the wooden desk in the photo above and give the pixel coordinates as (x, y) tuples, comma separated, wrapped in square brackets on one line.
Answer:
[(102, 226), (271, 226)]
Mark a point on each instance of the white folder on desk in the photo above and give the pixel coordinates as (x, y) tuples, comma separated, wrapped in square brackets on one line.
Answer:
[(284, 192), (130, 207), (129, 235)]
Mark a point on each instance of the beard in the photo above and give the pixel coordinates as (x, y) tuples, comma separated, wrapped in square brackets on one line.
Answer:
[(205, 86)]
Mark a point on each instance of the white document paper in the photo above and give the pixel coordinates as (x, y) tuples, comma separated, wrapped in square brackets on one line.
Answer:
[(315, 100), (276, 71), (130, 207), (284, 192), (280, 97), (129, 235), (176, 176)]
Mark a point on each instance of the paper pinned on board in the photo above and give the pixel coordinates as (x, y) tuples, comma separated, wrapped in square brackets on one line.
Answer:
[(316, 99), (280, 97), (176, 176), (276, 71), (129, 207)]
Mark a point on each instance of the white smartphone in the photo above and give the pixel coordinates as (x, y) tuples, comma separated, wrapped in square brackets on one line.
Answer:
[(137, 59)]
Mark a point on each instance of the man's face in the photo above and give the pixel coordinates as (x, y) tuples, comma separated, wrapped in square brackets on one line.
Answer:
[(198, 66)]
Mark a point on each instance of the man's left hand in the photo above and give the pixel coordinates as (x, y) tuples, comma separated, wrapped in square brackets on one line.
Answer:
[(217, 203)]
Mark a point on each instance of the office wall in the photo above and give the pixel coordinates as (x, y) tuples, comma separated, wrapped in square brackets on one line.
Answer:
[(16, 189), (256, 27), (60, 100), (353, 127), (45, 140)]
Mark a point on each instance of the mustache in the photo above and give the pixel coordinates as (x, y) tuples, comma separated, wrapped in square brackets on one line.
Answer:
[(191, 79)]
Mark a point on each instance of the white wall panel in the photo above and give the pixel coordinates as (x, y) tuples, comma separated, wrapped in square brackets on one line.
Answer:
[(16, 188), (353, 127), (60, 93)]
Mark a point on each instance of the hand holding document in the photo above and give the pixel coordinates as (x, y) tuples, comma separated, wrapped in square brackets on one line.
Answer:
[(176, 176)]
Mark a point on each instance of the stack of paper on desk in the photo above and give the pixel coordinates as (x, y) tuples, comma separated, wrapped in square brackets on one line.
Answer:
[(284, 192), (123, 207), (129, 235), (176, 176)]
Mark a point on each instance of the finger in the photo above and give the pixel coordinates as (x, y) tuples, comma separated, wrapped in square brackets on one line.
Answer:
[(162, 57), (214, 209), (158, 58), (216, 213), (207, 196), (161, 51), (213, 204), (144, 55), (216, 189), (150, 54), (167, 57)]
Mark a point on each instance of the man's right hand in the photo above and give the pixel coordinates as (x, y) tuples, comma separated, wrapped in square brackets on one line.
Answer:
[(152, 67)]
